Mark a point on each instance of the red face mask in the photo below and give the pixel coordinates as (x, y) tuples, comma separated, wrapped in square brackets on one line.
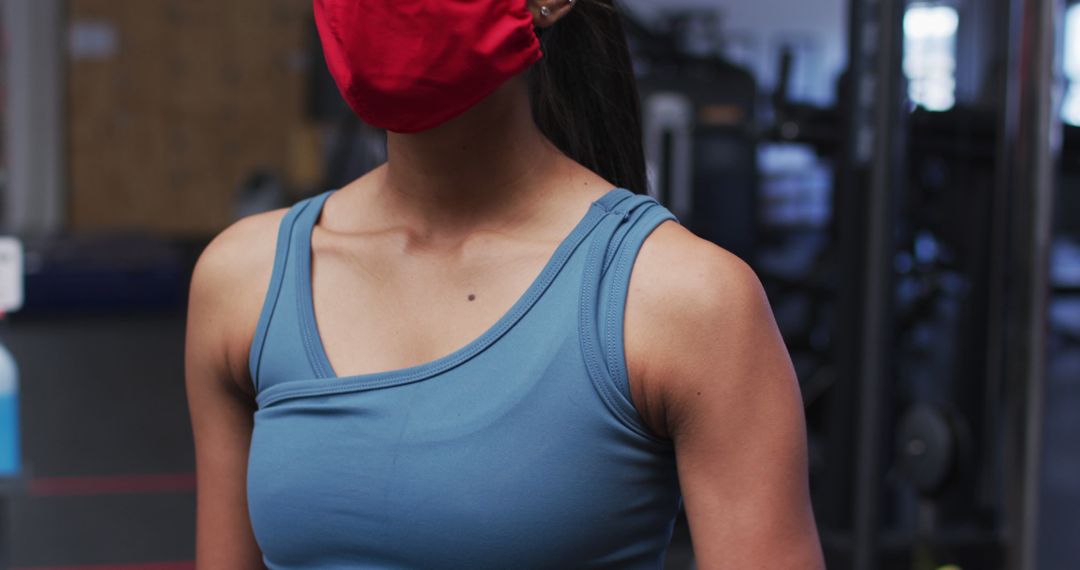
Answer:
[(410, 65)]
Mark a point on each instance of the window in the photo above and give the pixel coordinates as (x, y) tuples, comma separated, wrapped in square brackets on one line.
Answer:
[(930, 55), (1070, 110)]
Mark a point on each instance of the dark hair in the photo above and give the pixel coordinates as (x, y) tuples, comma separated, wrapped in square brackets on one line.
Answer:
[(584, 95)]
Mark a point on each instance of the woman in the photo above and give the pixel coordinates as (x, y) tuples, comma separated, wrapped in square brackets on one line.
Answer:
[(448, 363)]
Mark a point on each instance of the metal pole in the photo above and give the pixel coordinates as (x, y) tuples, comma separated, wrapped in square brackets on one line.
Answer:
[(1028, 156), (33, 138), (881, 28)]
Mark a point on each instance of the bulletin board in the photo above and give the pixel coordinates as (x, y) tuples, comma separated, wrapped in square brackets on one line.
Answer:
[(173, 104)]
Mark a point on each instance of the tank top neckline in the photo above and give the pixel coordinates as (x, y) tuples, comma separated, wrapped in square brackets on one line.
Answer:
[(328, 381)]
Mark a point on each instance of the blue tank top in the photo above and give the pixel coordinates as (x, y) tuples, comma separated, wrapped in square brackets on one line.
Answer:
[(521, 449)]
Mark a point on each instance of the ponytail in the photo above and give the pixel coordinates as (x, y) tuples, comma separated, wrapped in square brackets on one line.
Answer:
[(584, 95)]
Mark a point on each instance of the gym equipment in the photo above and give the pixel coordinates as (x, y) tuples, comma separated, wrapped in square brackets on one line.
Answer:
[(698, 113), (926, 448), (117, 272)]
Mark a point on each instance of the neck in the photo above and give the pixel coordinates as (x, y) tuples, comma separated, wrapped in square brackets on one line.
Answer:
[(477, 166)]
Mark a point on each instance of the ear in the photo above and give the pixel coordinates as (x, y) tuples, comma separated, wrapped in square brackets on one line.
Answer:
[(556, 9)]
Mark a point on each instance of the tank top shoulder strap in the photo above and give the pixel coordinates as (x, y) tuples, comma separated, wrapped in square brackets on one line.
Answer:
[(606, 282), (278, 328)]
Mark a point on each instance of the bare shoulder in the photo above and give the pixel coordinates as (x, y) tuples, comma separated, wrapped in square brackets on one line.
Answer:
[(691, 306), (245, 245), (228, 285), (685, 275)]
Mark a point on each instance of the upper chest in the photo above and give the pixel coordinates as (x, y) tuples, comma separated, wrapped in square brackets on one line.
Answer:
[(382, 302)]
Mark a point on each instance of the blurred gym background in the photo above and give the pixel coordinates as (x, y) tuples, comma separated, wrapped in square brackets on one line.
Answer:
[(903, 175)]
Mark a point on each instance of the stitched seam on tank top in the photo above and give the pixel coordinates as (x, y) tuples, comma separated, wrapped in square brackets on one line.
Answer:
[(613, 319), (619, 259), (586, 321), (601, 382), (530, 301), (623, 265), (586, 329), (306, 318), (284, 242), (306, 300), (635, 212), (612, 305)]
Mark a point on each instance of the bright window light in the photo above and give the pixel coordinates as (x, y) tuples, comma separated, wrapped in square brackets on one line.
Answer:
[(921, 22), (1070, 109), (930, 55)]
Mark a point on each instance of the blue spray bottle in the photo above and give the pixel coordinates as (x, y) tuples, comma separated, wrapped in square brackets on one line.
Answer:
[(11, 298), (9, 415)]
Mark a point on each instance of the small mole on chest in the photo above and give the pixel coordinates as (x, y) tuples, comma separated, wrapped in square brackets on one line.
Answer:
[(472, 297)]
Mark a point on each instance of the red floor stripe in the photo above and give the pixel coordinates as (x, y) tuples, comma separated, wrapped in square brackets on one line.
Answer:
[(161, 483), (189, 565)]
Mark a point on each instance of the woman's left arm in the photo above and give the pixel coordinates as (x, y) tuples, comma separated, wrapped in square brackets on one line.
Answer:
[(717, 378)]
